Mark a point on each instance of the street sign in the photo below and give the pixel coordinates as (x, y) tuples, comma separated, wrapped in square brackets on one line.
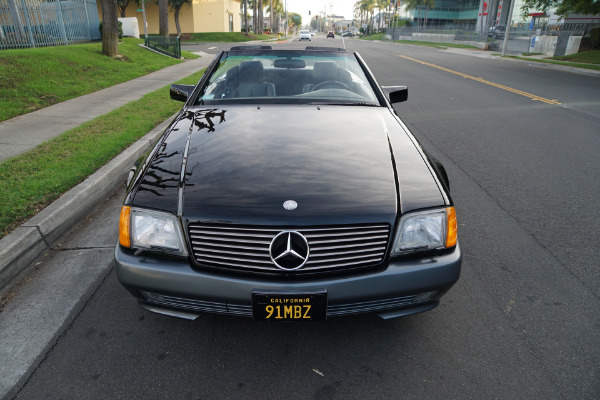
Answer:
[(531, 25)]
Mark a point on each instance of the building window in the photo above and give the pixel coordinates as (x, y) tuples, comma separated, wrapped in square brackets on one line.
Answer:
[(230, 22)]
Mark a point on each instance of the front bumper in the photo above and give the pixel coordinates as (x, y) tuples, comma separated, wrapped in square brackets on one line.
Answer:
[(404, 287)]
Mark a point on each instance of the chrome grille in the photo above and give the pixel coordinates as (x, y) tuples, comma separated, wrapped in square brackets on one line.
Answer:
[(339, 310), (247, 248)]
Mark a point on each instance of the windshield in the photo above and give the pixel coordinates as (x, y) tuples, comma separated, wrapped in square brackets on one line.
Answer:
[(292, 77)]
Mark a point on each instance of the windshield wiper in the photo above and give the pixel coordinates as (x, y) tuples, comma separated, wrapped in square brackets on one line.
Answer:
[(326, 103)]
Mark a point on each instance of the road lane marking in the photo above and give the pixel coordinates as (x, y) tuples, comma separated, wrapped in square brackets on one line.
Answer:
[(520, 92), (210, 48)]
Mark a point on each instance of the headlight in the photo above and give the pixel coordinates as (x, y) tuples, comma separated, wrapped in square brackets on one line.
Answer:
[(152, 230), (434, 229)]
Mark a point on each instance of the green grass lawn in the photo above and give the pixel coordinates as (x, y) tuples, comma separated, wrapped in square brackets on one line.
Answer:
[(32, 180), (31, 79), (589, 57), (227, 37), (588, 64)]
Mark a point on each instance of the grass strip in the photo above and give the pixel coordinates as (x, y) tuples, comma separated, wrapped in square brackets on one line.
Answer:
[(589, 57), (437, 45), (32, 180), (567, 64), (31, 79)]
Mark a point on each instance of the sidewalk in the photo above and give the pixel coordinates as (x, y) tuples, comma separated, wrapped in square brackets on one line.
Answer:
[(19, 248), (22, 133)]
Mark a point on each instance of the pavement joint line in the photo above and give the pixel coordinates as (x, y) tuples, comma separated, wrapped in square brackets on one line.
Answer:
[(43, 237), (481, 80)]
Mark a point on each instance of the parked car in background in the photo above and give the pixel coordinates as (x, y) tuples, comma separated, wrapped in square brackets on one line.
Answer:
[(288, 189), (305, 35), (312, 34), (497, 32), (347, 34), (330, 34)]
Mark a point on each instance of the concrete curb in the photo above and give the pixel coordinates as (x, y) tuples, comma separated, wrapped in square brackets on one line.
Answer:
[(19, 248)]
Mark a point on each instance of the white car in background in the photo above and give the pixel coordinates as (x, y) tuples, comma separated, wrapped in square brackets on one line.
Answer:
[(304, 34)]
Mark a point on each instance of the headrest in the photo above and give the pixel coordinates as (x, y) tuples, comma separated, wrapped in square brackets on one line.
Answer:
[(325, 71), (251, 71)]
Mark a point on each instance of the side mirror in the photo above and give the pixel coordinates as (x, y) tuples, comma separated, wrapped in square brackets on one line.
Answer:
[(396, 94), (181, 92)]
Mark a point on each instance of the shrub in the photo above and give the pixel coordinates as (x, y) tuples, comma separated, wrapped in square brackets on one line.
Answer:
[(120, 29), (595, 38)]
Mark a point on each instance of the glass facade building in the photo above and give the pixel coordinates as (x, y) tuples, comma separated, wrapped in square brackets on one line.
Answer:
[(448, 14)]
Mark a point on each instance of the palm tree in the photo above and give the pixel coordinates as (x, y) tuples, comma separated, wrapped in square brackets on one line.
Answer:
[(276, 9), (369, 7), (382, 5), (260, 17)]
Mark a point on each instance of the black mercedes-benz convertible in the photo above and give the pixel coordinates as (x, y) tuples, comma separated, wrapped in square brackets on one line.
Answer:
[(288, 188)]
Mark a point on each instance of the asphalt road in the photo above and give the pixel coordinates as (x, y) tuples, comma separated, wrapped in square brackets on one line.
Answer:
[(522, 322)]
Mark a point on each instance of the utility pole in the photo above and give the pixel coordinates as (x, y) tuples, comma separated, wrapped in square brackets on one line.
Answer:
[(508, 22), (286, 20)]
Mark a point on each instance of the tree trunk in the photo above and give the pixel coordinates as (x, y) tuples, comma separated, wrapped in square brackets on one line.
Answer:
[(246, 15), (255, 17), (271, 16), (260, 17), (163, 17), (110, 28), (176, 16)]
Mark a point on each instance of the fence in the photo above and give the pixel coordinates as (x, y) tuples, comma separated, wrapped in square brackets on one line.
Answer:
[(170, 46), (551, 40), (36, 23), (443, 35)]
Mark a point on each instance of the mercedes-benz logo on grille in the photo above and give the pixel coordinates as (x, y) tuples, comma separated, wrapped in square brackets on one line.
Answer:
[(289, 250)]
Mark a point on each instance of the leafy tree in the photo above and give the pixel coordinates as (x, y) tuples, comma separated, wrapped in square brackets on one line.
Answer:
[(563, 7), (295, 19), (110, 28), (420, 5), (122, 4), (176, 7)]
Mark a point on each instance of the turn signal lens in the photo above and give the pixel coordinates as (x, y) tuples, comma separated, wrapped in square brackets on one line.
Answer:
[(451, 236), (124, 227)]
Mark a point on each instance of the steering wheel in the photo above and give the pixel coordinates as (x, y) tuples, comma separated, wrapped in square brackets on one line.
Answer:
[(330, 85)]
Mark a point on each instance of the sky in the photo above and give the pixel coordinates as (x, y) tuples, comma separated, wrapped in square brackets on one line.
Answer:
[(343, 8)]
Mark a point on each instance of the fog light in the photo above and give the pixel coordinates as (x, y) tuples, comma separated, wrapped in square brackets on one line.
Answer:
[(153, 297), (424, 296)]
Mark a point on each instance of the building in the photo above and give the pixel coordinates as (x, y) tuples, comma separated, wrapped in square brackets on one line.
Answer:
[(448, 14), (199, 16)]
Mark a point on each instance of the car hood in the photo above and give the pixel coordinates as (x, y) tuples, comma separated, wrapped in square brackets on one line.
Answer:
[(244, 162)]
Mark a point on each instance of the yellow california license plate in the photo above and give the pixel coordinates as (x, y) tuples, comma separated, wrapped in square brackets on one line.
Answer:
[(289, 306)]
